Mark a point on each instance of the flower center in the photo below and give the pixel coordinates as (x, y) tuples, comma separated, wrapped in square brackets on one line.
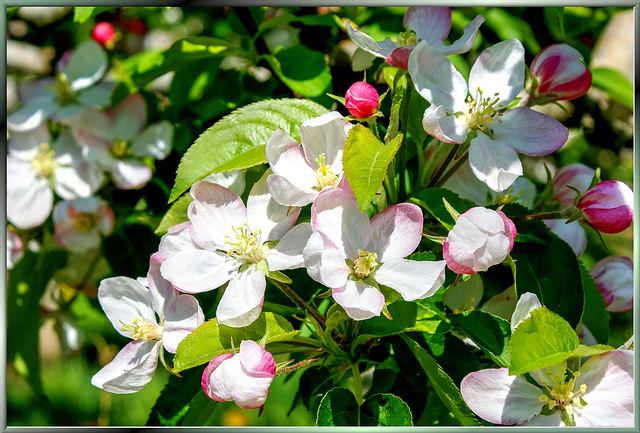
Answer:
[(143, 329), (84, 221), (481, 111), (63, 89), (324, 175), (120, 148), (364, 264), (43, 161), (405, 38), (562, 394), (247, 246), (465, 306)]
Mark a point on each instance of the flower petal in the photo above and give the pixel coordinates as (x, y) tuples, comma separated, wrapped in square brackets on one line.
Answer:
[(466, 41), (129, 116), (412, 279), (266, 214), (162, 292), (530, 132), (603, 414), (436, 79), (131, 370), (287, 254), (242, 301), (364, 41), (234, 180), (28, 141), (324, 135), (609, 378), (93, 128), (499, 398), (31, 114), (155, 141), (124, 299), (450, 129), (77, 180), (181, 317), (359, 300), (177, 240), (214, 213), (396, 231), (87, 64), (29, 197), (325, 262), (499, 70), (130, 174), (526, 304), (195, 271), (494, 162), (98, 95), (430, 23), (285, 192)]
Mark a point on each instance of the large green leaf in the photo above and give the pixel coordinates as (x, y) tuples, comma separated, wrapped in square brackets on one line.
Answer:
[(82, 14), (554, 18), (550, 271), (541, 340), (173, 402), (489, 332), (339, 408), (431, 200), (615, 84), (365, 162), (238, 140), (595, 316), (407, 317), (212, 339), (443, 385), (176, 214), (303, 70), (330, 20)]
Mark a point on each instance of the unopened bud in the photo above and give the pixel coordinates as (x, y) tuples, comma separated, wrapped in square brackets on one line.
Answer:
[(362, 100)]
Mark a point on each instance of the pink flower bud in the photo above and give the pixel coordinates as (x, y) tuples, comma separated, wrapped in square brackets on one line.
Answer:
[(104, 34), (614, 277), (608, 206), (480, 239), (561, 71), (576, 175), (244, 377), (361, 100)]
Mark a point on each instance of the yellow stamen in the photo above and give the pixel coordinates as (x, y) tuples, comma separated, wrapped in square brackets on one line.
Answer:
[(44, 162), (406, 38), (247, 247), (143, 329), (364, 264), (324, 175), (120, 148)]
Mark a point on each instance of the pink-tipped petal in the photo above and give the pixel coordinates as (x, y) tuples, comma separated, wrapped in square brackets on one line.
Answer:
[(412, 279), (287, 254), (530, 132), (129, 116), (430, 23), (614, 277), (131, 370), (396, 231), (195, 271), (264, 213), (242, 301), (181, 317)]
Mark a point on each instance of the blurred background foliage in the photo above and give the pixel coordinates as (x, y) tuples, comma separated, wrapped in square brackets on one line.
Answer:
[(58, 336)]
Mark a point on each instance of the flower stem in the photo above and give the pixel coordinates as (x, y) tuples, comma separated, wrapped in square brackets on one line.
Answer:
[(453, 169), (443, 167), (402, 155), (299, 301), (357, 383), (561, 214), (296, 366)]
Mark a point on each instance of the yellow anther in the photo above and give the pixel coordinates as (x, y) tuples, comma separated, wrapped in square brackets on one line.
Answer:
[(246, 247), (63, 89), (324, 175), (84, 221), (406, 38), (44, 161), (364, 264), (120, 148), (543, 398), (143, 329)]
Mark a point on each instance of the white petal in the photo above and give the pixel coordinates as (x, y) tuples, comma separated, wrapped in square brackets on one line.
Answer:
[(87, 65), (28, 141), (499, 398), (77, 180), (242, 301), (429, 23), (130, 174), (29, 198), (264, 213), (530, 132), (286, 158), (412, 279), (285, 192), (129, 116), (499, 69), (175, 241), (131, 370), (155, 141), (494, 163), (603, 414), (31, 114), (180, 319), (93, 128), (436, 79), (608, 377), (325, 262), (466, 41), (359, 300), (324, 134), (287, 254), (447, 128), (234, 180), (396, 231), (97, 96), (364, 41), (553, 420), (526, 304), (195, 271), (162, 293), (124, 299)]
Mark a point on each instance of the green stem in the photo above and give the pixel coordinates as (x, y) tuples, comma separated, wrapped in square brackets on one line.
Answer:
[(453, 169), (357, 383), (299, 301), (373, 126), (402, 155), (443, 167), (561, 214)]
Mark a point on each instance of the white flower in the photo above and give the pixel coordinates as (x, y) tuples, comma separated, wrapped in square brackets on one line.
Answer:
[(79, 223), (352, 255), (15, 248), (132, 306), (228, 242)]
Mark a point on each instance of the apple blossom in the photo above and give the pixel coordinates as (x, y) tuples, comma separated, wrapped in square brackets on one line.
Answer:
[(104, 34), (496, 134), (36, 168), (62, 98), (561, 74), (608, 206), (361, 100), (224, 241), (352, 255), (132, 306), (79, 223), (480, 239), (614, 277), (242, 377), (576, 175), (15, 248), (431, 24), (599, 394), (117, 141), (301, 172)]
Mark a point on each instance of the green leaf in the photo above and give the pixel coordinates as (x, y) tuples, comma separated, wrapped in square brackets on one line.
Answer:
[(443, 385), (615, 84), (407, 317), (329, 20), (26, 284), (82, 14), (173, 402), (554, 18), (598, 349), (176, 214), (338, 407), (365, 162), (200, 410), (431, 200), (211, 339), (314, 383), (385, 410), (238, 140), (303, 70), (541, 340), (489, 332), (550, 271), (595, 316)]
